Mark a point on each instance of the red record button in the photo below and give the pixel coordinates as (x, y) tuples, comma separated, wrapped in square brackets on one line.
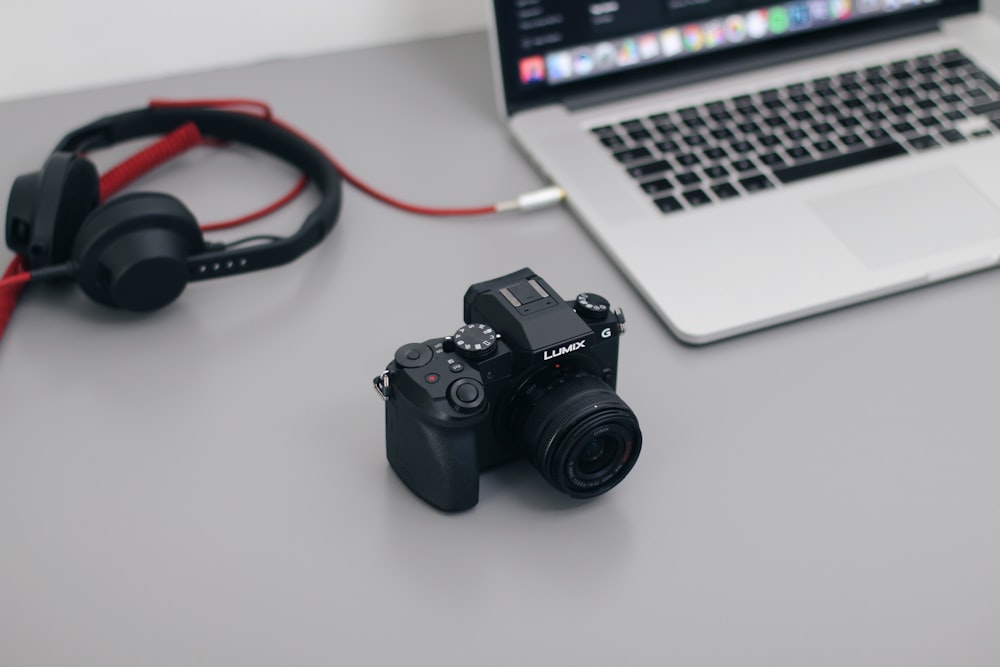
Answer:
[(431, 378)]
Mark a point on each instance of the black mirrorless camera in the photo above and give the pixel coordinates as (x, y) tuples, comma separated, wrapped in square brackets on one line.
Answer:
[(529, 376)]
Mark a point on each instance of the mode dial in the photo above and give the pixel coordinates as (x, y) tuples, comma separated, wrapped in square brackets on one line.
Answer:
[(475, 341), (591, 306)]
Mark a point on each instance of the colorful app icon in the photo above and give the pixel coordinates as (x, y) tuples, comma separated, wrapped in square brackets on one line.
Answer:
[(628, 52), (712, 33), (605, 56), (757, 23), (693, 39), (840, 9), (670, 42), (559, 66), (798, 16), (532, 69), (649, 46), (583, 62), (734, 29), (819, 11), (777, 19)]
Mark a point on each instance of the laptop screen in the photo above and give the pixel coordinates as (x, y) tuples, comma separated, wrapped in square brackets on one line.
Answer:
[(552, 48)]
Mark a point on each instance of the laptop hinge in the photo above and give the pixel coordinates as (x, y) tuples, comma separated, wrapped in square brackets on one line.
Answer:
[(745, 63)]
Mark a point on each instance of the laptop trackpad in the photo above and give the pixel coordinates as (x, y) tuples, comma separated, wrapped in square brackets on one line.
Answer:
[(926, 213)]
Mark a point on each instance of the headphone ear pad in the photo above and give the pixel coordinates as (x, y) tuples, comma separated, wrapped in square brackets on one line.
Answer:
[(47, 207), (132, 252)]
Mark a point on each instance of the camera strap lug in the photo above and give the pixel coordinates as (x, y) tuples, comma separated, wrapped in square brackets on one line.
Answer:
[(381, 383)]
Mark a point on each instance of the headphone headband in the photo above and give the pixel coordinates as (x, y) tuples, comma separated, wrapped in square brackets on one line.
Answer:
[(261, 133)]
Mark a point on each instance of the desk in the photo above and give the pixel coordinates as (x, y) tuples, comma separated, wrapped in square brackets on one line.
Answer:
[(207, 485)]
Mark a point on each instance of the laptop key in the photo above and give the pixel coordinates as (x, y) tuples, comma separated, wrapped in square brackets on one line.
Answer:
[(689, 178), (613, 141), (924, 142), (953, 136), (658, 186), (799, 153), (697, 197), (985, 108), (668, 204), (772, 160), (756, 183), (725, 191), (803, 170), (633, 155), (988, 80), (666, 128), (649, 169), (716, 171)]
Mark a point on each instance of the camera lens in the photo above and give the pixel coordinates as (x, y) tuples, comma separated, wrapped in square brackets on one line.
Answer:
[(576, 430), (597, 457)]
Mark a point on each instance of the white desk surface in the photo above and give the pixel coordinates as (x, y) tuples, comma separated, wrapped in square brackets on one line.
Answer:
[(208, 485)]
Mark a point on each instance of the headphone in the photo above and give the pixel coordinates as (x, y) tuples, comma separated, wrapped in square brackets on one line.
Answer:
[(138, 251)]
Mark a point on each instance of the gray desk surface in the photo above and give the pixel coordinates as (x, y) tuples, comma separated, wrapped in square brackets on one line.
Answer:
[(208, 486)]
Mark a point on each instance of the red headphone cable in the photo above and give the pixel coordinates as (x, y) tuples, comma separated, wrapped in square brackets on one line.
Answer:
[(526, 202)]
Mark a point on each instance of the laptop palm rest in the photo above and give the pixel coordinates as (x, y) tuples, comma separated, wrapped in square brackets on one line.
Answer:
[(926, 213)]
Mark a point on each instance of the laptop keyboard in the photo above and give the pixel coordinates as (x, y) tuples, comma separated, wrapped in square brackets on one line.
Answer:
[(732, 148)]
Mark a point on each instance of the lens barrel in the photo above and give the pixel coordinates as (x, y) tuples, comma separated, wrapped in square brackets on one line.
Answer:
[(578, 433)]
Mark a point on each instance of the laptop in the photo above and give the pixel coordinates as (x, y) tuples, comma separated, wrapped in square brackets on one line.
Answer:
[(749, 164)]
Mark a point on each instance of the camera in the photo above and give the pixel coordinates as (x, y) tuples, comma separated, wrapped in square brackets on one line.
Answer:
[(528, 376)]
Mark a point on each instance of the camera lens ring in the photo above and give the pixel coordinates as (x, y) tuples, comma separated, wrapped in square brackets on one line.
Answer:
[(561, 424)]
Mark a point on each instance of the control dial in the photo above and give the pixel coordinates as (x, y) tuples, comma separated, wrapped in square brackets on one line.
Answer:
[(475, 341), (466, 395), (591, 306)]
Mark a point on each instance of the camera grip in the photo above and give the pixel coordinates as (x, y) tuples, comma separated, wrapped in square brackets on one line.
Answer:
[(437, 460)]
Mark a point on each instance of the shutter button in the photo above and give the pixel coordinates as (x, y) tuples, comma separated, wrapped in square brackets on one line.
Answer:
[(413, 355)]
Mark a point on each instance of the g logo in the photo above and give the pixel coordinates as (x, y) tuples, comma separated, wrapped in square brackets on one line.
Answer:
[(606, 333)]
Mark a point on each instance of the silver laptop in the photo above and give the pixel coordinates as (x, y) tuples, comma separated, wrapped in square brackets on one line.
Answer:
[(745, 165)]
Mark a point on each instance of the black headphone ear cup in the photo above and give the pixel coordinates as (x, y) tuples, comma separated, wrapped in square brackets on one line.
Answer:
[(132, 251), (47, 207)]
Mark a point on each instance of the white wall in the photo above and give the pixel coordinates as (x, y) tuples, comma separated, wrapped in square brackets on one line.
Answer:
[(57, 45)]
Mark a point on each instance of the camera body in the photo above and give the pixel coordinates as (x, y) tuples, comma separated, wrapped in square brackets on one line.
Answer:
[(528, 376)]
